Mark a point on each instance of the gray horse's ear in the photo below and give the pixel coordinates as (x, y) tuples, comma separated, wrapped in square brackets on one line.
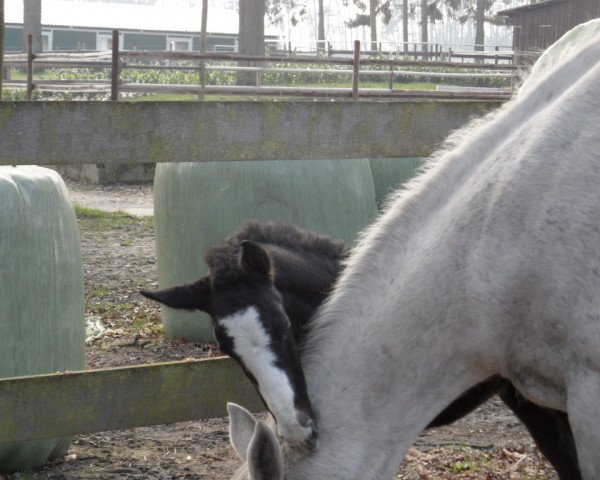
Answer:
[(193, 296), (256, 260), (241, 428), (264, 455)]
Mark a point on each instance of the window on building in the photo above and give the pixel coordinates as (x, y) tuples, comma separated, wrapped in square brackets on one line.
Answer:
[(180, 46)]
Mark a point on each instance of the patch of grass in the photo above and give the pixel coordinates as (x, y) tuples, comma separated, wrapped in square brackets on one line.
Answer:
[(100, 291), (462, 466), (160, 97), (157, 330), (98, 220), (138, 324)]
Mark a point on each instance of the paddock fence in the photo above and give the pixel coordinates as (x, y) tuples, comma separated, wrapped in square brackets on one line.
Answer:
[(133, 133), (382, 66)]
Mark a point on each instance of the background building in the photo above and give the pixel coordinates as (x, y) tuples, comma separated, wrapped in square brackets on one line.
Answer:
[(70, 25), (539, 25)]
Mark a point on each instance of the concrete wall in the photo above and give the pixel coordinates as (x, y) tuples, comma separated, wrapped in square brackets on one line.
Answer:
[(118, 133)]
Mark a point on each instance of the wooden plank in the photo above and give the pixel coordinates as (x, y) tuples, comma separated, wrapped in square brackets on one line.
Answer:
[(76, 133), (498, 95), (306, 59), (64, 404)]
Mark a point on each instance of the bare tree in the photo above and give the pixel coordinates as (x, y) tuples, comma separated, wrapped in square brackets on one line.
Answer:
[(405, 25), (32, 23), (252, 36), (381, 8), (373, 23), (424, 28), (1, 45), (480, 24), (202, 46), (321, 25)]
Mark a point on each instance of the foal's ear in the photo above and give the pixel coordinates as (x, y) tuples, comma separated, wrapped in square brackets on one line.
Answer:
[(193, 296), (255, 259), (264, 455), (241, 428)]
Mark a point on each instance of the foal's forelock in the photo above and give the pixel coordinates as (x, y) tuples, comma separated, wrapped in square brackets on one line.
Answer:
[(256, 350)]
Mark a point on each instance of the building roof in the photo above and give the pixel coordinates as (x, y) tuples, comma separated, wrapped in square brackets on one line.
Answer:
[(84, 14), (527, 8)]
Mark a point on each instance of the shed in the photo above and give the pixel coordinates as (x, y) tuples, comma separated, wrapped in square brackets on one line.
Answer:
[(539, 25)]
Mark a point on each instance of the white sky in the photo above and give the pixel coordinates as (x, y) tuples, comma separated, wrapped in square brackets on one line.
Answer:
[(185, 15)]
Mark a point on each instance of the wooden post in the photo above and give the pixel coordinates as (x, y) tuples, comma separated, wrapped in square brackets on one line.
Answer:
[(115, 73), (355, 74), (391, 78), (29, 67)]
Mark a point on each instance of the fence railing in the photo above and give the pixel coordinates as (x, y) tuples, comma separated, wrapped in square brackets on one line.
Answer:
[(140, 396), (119, 133), (388, 68)]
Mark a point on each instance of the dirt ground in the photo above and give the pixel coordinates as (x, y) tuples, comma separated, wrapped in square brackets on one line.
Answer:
[(118, 261)]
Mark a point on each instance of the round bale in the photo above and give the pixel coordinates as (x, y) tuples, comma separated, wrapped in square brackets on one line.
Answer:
[(42, 324), (198, 204)]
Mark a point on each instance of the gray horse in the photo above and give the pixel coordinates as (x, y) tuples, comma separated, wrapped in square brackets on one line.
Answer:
[(487, 264)]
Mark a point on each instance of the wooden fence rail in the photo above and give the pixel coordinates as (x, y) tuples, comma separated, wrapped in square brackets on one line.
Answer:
[(119, 133), (64, 404), (127, 133)]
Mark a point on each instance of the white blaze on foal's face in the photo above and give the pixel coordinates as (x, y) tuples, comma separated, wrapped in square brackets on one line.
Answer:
[(252, 344)]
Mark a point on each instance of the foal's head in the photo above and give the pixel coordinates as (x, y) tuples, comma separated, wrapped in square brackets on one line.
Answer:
[(251, 325)]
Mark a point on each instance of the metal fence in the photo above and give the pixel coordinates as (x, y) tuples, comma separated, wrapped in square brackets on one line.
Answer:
[(357, 61)]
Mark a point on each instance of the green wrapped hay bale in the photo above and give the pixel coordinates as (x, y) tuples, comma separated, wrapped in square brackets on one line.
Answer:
[(41, 291), (391, 173), (198, 204)]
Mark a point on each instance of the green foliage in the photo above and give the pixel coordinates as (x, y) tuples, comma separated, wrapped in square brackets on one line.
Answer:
[(463, 81), (100, 291), (305, 78), (99, 220), (13, 95)]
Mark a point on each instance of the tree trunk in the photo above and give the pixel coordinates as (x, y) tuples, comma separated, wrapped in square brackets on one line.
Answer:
[(373, 22), (252, 36), (424, 33), (1, 46), (32, 24), (321, 27), (479, 25), (405, 25), (202, 46), (203, 23)]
